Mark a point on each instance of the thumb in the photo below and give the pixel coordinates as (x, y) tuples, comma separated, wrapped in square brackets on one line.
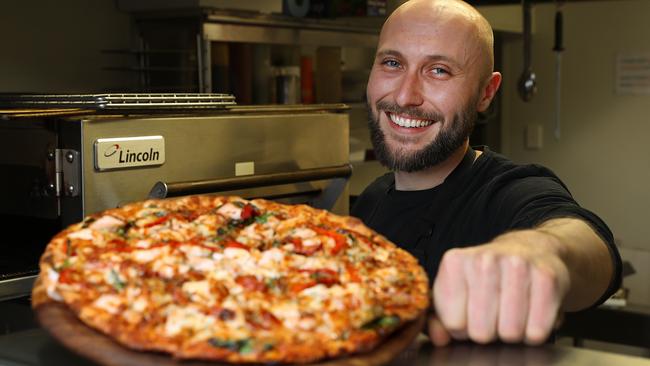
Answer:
[(437, 332)]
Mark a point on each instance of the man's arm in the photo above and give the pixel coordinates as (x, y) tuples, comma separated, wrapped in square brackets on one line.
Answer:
[(516, 287)]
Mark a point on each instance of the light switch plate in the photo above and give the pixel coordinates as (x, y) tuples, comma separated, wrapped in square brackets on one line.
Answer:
[(534, 136)]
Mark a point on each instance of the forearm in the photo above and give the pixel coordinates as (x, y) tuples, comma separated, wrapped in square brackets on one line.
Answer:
[(586, 257)]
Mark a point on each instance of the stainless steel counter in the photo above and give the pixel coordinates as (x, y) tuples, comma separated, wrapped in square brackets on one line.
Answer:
[(24, 343)]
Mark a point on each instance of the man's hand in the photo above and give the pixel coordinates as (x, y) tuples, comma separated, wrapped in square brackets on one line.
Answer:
[(511, 289)]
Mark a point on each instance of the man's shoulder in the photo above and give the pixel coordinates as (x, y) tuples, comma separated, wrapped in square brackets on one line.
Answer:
[(498, 169), (499, 179)]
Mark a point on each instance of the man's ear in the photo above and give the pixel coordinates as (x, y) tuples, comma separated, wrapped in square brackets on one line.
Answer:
[(488, 91)]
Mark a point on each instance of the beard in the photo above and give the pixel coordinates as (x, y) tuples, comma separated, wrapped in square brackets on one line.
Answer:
[(451, 136)]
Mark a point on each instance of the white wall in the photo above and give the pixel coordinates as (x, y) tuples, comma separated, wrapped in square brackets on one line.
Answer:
[(55, 46), (602, 154)]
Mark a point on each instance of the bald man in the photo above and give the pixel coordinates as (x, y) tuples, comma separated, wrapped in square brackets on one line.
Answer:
[(508, 250)]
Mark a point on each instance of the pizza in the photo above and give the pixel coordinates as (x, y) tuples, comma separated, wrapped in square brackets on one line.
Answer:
[(224, 278)]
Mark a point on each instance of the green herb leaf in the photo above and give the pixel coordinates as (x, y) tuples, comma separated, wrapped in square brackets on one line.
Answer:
[(117, 283), (245, 346), (261, 219), (382, 322), (242, 346)]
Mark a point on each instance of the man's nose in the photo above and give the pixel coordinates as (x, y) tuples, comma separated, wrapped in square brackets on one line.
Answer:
[(409, 92)]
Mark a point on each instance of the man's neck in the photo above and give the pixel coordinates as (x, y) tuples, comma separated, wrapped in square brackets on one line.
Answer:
[(430, 177)]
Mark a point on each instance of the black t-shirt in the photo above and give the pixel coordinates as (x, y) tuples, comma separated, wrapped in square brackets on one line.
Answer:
[(478, 201)]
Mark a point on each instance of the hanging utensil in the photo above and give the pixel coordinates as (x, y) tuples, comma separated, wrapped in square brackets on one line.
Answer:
[(527, 86), (558, 47)]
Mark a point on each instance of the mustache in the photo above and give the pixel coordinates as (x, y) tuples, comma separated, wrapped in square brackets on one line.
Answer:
[(415, 112)]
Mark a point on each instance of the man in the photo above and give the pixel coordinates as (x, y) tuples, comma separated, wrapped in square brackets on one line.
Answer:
[(507, 248)]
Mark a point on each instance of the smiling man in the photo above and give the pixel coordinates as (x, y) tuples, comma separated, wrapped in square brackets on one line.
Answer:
[(507, 248)]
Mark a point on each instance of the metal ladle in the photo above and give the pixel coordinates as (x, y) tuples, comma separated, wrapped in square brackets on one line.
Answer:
[(527, 85)]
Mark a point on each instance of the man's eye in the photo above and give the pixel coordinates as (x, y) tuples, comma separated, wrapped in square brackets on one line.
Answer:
[(439, 71), (391, 63)]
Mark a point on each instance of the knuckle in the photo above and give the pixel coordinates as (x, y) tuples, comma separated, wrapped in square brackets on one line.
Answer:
[(516, 265), (485, 263)]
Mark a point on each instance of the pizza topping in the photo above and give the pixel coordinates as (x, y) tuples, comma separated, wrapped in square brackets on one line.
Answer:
[(110, 303), (231, 211), (115, 280), (382, 323), (107, 222), (242, 346), (147, 255), (185, 318), (198, 290), (85, 234), (250, 283)]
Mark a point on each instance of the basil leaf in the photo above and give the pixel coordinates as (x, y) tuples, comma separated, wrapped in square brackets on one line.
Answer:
[(242, 346), (116, 281), (382, 322)]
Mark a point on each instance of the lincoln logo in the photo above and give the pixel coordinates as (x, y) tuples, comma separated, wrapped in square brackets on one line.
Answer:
[(132, 157), (111, 150)]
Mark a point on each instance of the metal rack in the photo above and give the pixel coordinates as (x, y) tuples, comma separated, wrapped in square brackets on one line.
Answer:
[(119, 102), (188, 37)]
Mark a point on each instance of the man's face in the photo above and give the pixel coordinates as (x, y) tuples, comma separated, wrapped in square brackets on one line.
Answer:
[(423, 89)]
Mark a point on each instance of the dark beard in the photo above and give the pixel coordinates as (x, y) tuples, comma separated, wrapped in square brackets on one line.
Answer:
[(451, 136)]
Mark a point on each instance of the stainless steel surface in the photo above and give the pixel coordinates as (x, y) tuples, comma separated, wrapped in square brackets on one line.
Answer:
[(208, 147), (421, 353), (16, 287), (35, 347), (285, 30), (286, 35)]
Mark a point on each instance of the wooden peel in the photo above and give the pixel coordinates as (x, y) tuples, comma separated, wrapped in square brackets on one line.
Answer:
[(86, 342)]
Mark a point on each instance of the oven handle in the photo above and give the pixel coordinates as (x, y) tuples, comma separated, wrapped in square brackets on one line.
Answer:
[(174, 189)]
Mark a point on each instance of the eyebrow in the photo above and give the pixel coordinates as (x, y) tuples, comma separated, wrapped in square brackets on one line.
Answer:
[(429, 58)]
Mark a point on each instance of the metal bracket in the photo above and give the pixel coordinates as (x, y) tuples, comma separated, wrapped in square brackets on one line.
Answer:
[(330, 194), (67, 172)]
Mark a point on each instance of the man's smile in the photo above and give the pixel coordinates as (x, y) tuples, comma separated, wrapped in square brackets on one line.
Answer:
[(408, 122)]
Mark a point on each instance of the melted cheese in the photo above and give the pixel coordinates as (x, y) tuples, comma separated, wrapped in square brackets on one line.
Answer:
[(107, 222), (188, 317), (109, 302), (147, 255), (83, 234), (53, 279), (198, 290), (230, 211)]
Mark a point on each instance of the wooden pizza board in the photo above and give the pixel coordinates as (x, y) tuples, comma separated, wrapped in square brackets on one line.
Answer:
[(65, 327)]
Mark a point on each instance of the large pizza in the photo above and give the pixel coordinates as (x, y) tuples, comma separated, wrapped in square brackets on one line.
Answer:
[(223, 278)]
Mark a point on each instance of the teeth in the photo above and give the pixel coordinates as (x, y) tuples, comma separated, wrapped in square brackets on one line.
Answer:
[(408, 122)]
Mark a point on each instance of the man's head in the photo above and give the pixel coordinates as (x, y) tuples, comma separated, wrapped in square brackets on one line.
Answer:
[(432, 74)]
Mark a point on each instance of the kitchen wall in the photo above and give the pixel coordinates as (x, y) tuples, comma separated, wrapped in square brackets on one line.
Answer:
[(56, 46), (602, 153)]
